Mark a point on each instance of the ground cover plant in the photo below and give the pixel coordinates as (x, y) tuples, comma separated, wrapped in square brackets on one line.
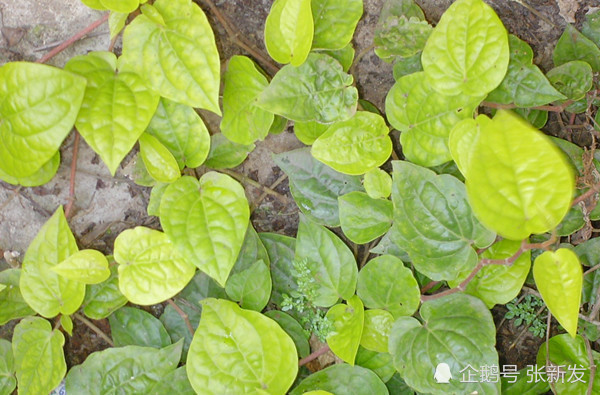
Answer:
[(477, 208)]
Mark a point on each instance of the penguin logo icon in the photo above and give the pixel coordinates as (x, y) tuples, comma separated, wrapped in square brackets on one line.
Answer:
[(442, 373)]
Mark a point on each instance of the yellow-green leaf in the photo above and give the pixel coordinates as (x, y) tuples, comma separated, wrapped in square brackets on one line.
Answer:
[(347, 321), (85, 266), (289, 31), (376, 330), (159, 161)]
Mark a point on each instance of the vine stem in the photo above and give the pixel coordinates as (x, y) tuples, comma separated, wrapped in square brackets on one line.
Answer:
[(77, 36), (550, 108), (93, 327), (183, 315), (590, 192), (71, 199), (314, 355), (245, 179), (588, 349)]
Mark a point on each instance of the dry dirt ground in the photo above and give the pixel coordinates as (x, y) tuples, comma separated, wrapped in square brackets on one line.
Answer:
[(105, 205)]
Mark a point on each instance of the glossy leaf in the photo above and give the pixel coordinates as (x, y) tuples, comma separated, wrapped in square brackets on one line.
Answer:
[(206, 220), (573, 45), (499, 284), (67, 324), (176, 56), (159, 161), (293, 329), (591, 26), (116, 23), (347, 321), (376, 330), (38, 356), (8, 382), (289, 31), (225, 154), (252, 251), (457, 330), (344, 55), (95, 4), (125, 6), (104, 298), (308, 132), (364, 219), (85, 266), (378, 184), (405, 66), (514, 189), (573, 79), (281, 250), (179, 128), (238, 351), (385, 283), (43, 175), (151, 270), (38, 110), (175, 382), (130, 370), (330, 261), (155, 197), (44, 290), (467, 51), (425, 117), (356, 145), (524, 84), (378, 362), (314, 186), (559, 278), (176, 326), (343, 379), (335, 22), (318, 90), (571, 356), (243, 122), (251, 287), (12, 304), (116, 107), (434, 222), (134, 327)]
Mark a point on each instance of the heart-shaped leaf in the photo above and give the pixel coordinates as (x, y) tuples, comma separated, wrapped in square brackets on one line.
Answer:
[(38, 110), (347, 321), (40, 177), (289, 31), (251, 287), (378, 362), (293, 329), (281, 250), (335, 22), (225, 154), (457, 330), (376, 330), (151, 270), (158, 160), (85, 266), (135, 327), (467, 51), (573, 45), (116, 107), (104, 298), (12, 304), (364, 219), (378, 184), (559, 278), (176, 55), (8, 382), (206, 220), (342, 379), (239, 351)]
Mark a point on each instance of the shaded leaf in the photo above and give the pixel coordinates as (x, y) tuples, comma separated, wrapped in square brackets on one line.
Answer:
[(160, 163), (343, 379), (134, 327), (335, 22), (364, 219), (573, 45), (104, 298), (293, 329), (12, 304), (225, 154), (281, 250)]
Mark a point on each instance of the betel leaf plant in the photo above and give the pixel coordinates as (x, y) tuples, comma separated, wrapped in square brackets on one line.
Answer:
[(478, 199)]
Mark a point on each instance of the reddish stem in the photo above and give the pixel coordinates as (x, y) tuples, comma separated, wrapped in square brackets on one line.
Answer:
[(313, 356), (551, 108)]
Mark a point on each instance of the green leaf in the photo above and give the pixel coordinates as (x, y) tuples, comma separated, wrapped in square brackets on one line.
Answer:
[(405, 66), (591, 26), (151, 270), (573, 79), (335, 22), (385, 283), (125, 6), (318, 90), (571, 356), (397, 386), (289, 31), (356, 145), (134, 327), (225, 154), (38, 356), (67, 323), (537, 118), (378, 184), (239, 351), (155, 197), (243, 122), (116, 107), (160, 163), (279, 125), (572, 222), (8, 381), (176, 326), (521, 383), (172, 47), (559, 278), (12, 304), (457, 330), (343, 379), (573, 45), (40, 177), (434, 222), (378, 362), (128, 370), (175, 382), (252, 251), (206, 220), (315, 186), (401, 30), (104, 298), (179, 128), (251, 287), (330, 261), (95, 4), (38, 108), (514, 189), (387, 246), (308, 132), (85, 266), (44, 290), (425, 117), (281, 250), (347, 321), (467, 51), (524, 84), (499, 284), (364, 219), (293, 329), (116, 23), (376, 330), (344, 55)]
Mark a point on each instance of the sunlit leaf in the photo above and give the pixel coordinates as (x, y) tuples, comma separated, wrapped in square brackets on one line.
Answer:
[(225, 154), (376, 330), (12, 304), (159, 161), (86, 266), (335, 22), (289, 31), (364, 219), (347, 321)]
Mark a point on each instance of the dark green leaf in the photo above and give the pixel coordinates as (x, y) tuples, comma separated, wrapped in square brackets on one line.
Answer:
[(343, 379), (104, 298), (134, 327), (378, 362), (293, 329), (335, 22), (225, 154), (12, 304), (573, 45), (281, 251)]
